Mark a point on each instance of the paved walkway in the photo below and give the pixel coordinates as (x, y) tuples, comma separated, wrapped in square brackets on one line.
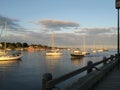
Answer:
[(110, 82)]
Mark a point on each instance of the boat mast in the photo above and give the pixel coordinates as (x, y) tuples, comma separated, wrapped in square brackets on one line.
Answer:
[(5, 37), (84, 40), (52, 40)]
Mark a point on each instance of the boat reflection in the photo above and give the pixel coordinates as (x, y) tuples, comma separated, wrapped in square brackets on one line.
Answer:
[(77, 61), (52, 63), (6, 64), (53, 57)]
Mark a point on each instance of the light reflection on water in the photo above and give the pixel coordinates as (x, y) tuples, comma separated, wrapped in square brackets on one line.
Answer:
[(52, 62), (8, 64), (26, 74)]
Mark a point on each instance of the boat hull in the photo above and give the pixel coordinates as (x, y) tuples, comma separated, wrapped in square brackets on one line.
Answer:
[(10, 57), (76, 56), (53, 54)]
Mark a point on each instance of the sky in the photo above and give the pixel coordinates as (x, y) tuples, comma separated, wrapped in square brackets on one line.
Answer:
[(75, 23)]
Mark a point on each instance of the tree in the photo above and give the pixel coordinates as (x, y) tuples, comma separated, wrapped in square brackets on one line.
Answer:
[(12, 46), (25, 45), (18, 45)]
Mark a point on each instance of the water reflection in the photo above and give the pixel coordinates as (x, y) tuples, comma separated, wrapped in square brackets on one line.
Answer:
[(52, 62), (7, 64), (26, 74), (77, 61), (53, 57), (6, 71)]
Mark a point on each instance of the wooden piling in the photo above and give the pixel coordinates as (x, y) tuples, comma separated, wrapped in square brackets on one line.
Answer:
[(46, 77), (104, 61), (111, 57), (89, 63)]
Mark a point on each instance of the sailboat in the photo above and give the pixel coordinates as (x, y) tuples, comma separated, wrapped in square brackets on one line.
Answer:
[(84, 52), (1, 51), (6, 55), (53, 51), (15, 56), (77, 54), (94, 50)]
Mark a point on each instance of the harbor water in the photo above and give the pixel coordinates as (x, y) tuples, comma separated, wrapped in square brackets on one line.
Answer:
[(26, 74)]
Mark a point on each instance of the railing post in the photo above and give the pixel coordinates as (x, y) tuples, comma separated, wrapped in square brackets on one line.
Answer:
[(118, 62), (115, 56), (46, 77), (111, 57), (104, 61), (89, 63)]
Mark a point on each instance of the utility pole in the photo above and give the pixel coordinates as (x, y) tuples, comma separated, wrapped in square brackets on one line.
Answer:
[(117, 3)]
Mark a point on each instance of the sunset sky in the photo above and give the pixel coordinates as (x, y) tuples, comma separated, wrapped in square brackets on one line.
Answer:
[(72, 21)]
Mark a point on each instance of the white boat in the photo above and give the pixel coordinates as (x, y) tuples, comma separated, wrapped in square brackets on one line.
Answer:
[(84, 52), (105, 49), (15, 56), (94, 51), (6, 55), (100, 50), (53, 51)]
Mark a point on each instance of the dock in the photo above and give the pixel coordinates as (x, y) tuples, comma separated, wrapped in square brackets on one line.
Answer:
[(102, 75), (110, 82)]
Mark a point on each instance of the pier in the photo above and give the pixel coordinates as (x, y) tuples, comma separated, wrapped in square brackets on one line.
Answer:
[(102, 75)]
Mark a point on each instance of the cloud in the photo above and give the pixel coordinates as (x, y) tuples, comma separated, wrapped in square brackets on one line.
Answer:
[(12, 26), (97, 31), (101, 36), (11, 23), (61, 39), (55, 25)]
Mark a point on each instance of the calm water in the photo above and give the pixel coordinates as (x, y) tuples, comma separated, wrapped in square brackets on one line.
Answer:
[(26, 74)]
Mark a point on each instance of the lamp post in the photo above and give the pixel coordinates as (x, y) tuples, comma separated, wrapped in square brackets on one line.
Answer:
[(118, 7)]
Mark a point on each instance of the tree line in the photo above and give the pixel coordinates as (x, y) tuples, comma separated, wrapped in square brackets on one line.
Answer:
[(10, 45), (13, 45)]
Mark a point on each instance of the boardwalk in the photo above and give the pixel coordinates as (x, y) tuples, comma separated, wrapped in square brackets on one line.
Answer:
[(110, 82)]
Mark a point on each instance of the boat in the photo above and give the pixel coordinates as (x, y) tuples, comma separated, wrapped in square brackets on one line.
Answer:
[(85, 52), (2, 52), (77, 54), (94, 51), (100, 50), (53, 51), (105, 49), (15, 56), (8, 56)]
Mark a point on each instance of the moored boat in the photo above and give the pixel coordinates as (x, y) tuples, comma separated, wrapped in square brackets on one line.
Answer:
[(15, 56), (85, 53), (5, 55), (53, 53), (77, 54)]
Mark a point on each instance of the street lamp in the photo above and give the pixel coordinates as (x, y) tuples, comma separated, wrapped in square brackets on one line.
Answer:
[(118, 7)]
